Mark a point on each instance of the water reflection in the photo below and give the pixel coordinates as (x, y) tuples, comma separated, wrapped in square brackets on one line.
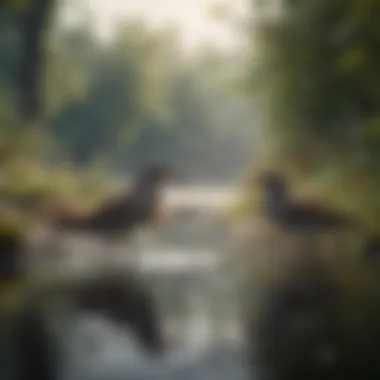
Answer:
[(201, 322), (196, 295)]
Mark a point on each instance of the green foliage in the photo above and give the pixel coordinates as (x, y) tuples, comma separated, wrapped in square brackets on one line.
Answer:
[(319, 76), (116, 104), (136, 100)]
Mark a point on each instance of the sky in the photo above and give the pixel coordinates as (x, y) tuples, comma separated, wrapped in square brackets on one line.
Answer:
[(192, 17)]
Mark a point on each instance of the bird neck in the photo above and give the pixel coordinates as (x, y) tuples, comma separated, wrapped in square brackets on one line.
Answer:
[(276, 203), (145, 193)]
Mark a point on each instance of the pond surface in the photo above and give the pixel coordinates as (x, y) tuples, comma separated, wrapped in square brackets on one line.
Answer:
[(186, 269)]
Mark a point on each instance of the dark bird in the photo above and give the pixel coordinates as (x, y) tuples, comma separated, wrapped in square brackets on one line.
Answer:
[(121, 215), (299, 217), (295, 216)]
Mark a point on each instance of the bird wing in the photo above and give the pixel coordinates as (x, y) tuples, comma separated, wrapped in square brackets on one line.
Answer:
[(113, 212), (321, 215)]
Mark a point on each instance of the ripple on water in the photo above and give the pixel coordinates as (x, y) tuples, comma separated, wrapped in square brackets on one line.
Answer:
[(98, 350)]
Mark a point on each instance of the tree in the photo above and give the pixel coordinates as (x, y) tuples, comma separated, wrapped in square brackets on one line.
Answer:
[(317, 71), (23, 27), (123, 91)]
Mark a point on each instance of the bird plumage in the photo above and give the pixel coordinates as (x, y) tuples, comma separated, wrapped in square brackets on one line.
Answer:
[(288, 213), (120, 215), (299, 217)]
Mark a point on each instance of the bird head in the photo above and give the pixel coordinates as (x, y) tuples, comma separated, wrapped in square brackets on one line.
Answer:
[(273, 182), (275, 190)]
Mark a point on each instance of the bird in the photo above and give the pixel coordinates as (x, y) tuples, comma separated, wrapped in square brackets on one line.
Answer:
[(294, 216), (310, 218), (121, 215), (306, 226), (115, 221)]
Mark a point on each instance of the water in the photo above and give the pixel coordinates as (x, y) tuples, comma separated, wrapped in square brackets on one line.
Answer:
[(113, 354), (201, 349), (195, 295), (210, 197), (99, 350)]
